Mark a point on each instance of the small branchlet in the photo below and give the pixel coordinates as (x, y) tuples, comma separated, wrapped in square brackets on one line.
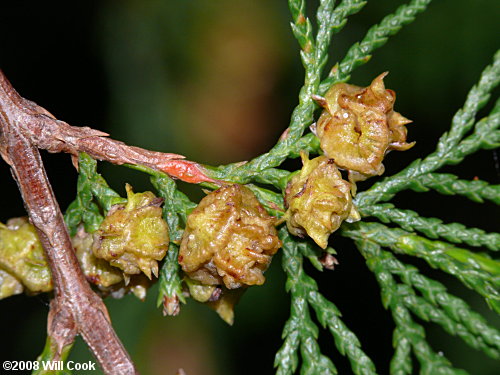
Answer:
[(213, 251)]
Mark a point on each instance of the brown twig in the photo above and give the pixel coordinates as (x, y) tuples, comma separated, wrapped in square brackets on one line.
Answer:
[(46, 132), (75, 309)]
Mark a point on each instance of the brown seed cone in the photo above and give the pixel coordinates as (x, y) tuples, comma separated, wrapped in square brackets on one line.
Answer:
[(9, 285), (225, 303), (97, 271), (134, 236), (229, 238), (138, 285), (359, 126), (23, 265), (318, 200), (22, 259)]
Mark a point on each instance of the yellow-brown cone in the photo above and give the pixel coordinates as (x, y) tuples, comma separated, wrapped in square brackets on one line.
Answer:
[(229, 238), (318, 200), (359, 126), (134, 236), (22, 259)]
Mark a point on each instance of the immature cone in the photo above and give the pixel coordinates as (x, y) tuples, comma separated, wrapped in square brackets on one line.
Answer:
[(200, 292), (109, 280), (224, 305), (219, 298), (138, 285), (97, 271), (9, 285), (318, 200), (229, 238), (359, 126), (23, 264), (22, 260), (134, 236)]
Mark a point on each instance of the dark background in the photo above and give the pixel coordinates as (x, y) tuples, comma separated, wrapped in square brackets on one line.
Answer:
[(216, 81)]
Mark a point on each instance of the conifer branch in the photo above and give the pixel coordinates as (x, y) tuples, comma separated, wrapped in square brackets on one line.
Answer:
[(433, 227), (25, 127), (305, 293), (394, 297), (477, 272), (451, 148), (300, 331), (176, 207), (449, 184), (435, 293)]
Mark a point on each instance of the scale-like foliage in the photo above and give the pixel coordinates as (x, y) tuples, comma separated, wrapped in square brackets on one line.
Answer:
[(406, 292)]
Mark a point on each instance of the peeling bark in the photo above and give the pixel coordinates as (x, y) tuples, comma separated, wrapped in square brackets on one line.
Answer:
[(75, 309)]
